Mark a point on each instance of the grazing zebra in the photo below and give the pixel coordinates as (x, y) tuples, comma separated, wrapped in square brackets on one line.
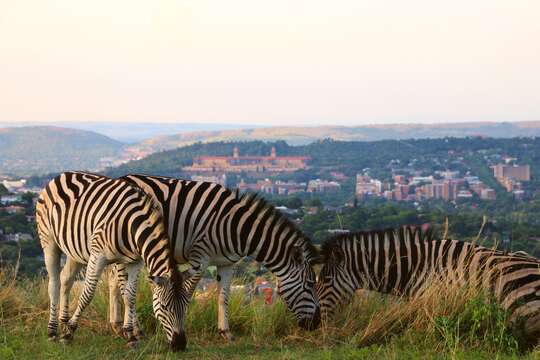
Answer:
[(211, 225), (97, 221), (401, 261)]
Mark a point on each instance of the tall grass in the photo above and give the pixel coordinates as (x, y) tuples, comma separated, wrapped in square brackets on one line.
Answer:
[(450, 322)]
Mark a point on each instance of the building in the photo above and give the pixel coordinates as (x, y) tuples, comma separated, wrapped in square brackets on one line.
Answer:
[(365, 186), (338, 231), (448, 174), (290, 187), (14, 209), (286, 210), (265, 186), (421, 179), (10, 199), (518, 194), (17, 237), (509, 176), (14, 185), (221, 180), (516, 172), (488, 194), (322, 186), (464, 194), (399, 179), (248, 164)]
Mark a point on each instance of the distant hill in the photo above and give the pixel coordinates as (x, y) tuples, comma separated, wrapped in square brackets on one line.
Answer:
[(44, 149), (349, 157), (132, 132), (29, 150), (306, 135)]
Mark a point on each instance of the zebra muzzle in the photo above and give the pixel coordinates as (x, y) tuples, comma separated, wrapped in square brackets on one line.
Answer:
[(178, 341), (313, 323)]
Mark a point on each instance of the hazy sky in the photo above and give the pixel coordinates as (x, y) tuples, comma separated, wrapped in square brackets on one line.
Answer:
[(273, 62)]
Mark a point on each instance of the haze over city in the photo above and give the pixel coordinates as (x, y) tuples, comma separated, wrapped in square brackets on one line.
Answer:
[(276, 63)]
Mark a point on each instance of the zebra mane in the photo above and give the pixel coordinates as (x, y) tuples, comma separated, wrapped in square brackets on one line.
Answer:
[(157, 216), (249, 199), (147, 200), (330, 245)]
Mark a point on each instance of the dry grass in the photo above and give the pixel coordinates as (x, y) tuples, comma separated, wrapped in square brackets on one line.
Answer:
[(452, 324)]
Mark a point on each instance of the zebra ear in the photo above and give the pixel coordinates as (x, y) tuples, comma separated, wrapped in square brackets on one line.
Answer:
[(159, 280), (336, 255), (185, 275)]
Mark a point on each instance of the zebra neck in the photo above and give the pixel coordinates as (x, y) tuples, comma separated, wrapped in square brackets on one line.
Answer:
[(156, 255), (277, 258), (250, 227)]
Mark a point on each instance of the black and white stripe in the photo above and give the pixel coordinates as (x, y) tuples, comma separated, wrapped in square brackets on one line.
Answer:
[(211, 225), (401, 261), (97, 221)]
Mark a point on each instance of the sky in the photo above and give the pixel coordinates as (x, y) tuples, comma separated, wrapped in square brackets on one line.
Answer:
[(277, 62)]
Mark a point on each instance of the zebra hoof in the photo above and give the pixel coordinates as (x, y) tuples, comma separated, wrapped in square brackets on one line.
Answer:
[(139, 334), (52, 337), (133, 343), (127, 333), (117, 328), (66, 338), (226, 335)]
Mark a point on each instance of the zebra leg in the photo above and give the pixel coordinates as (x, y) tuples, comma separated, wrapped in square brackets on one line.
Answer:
[(137, 329), (52, 263), (96, 264), (129, 295), (224, 278), (115, 307), (194, 273), (190, 284), (117, 285), (67, 278)]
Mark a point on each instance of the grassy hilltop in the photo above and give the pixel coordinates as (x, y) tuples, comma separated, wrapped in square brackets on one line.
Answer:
[(439, 325)]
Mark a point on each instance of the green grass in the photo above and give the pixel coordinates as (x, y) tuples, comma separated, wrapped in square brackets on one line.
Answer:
[(24, 342), (395, 328)]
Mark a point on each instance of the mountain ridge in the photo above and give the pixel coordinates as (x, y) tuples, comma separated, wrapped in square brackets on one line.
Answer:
[(43, 149), (307, 134), (35, 150)]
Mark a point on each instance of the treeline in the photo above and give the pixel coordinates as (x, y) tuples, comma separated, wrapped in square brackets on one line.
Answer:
[(349, 157), (518, 229)]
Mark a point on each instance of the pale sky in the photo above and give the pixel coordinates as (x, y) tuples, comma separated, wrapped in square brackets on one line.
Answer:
[(279, 62)]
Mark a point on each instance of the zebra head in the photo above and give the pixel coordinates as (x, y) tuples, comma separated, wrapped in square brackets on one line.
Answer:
[(170, 302), (335, 284), (296, 286)]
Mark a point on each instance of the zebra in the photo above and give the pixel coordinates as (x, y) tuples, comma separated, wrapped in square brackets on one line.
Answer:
[(402, 261), (212, 225), (97, 221)]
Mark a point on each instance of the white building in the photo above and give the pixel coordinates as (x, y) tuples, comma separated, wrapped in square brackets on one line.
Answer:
[(319, 185), (14, 185), (10, 199), (221, 180)]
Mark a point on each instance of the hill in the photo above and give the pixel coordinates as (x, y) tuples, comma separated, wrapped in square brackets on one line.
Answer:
[(43, 149), (349, 157), (131, 132), (306, 135)]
